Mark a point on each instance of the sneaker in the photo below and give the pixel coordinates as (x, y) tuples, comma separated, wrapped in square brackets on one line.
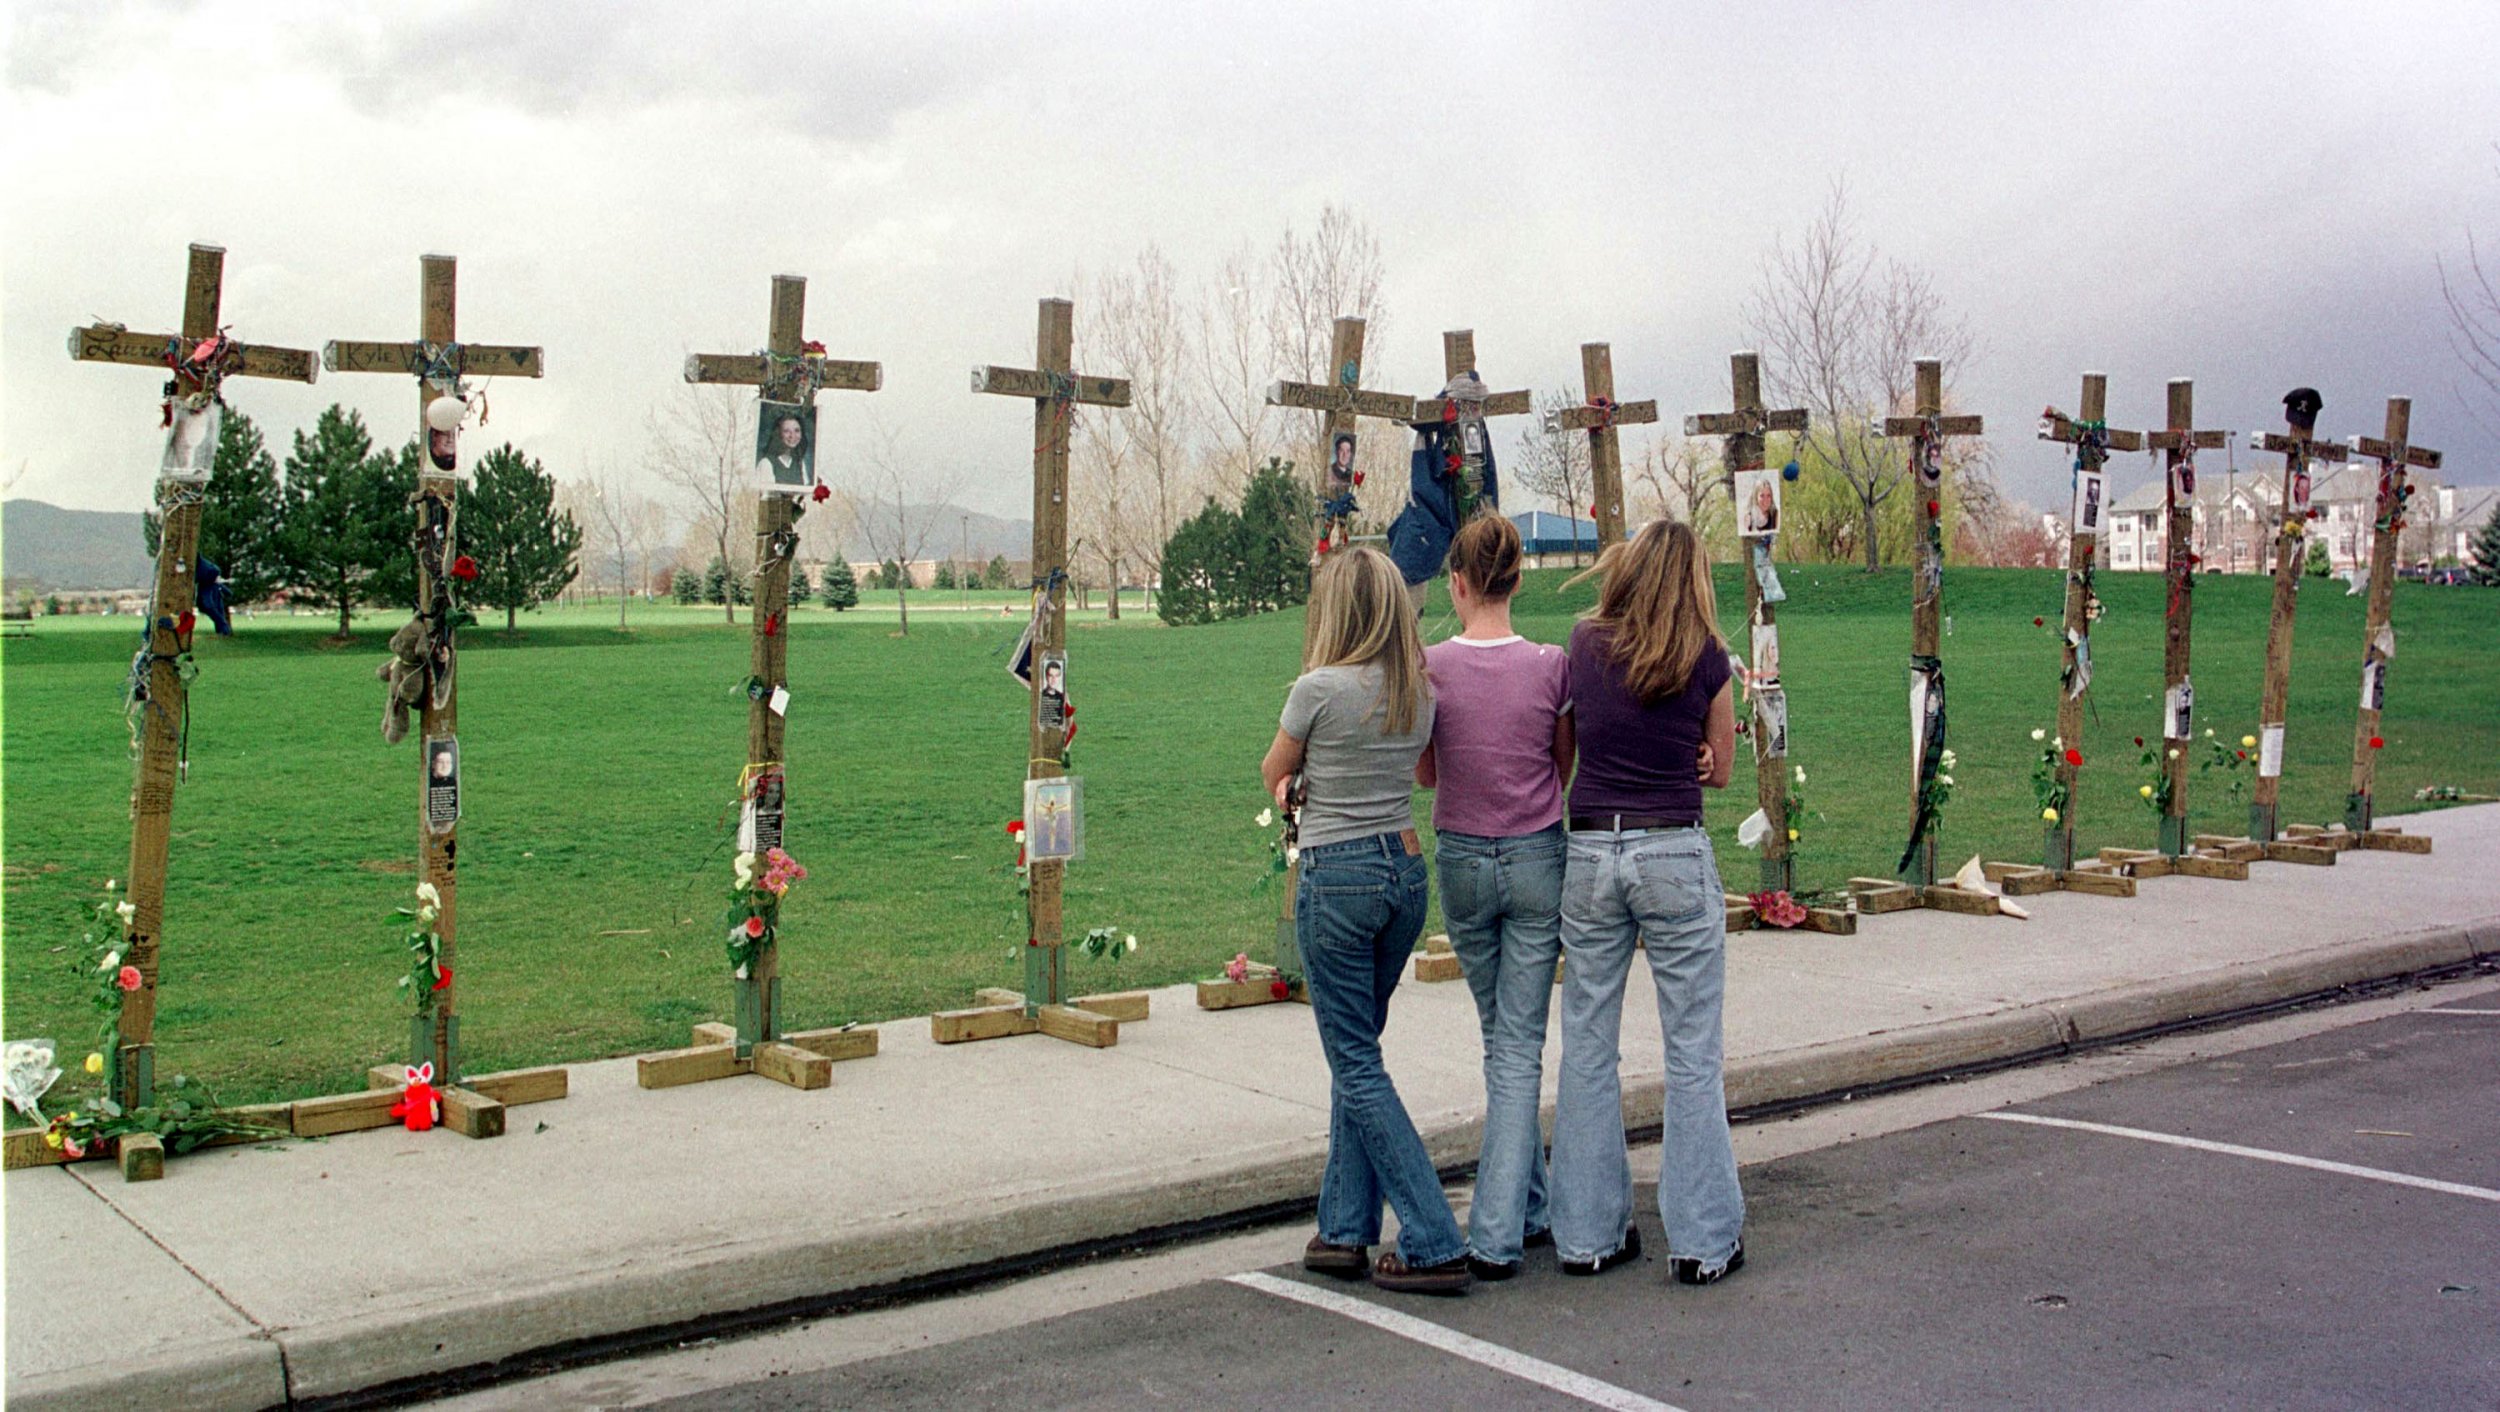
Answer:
[(1397, 1277), (1623, 1255), (1344, 1262), (1690, 1272), (1492, 1271)]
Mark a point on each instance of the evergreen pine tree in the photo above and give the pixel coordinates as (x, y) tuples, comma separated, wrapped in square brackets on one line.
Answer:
[(1277, 519), (2486, 551), (685, 588), (995, 574), (390, 485), (716, 581), (802, 588), (331, 535), (526, 549), (841, 586)]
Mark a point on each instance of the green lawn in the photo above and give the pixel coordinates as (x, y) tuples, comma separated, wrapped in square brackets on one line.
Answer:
[(601, 768)]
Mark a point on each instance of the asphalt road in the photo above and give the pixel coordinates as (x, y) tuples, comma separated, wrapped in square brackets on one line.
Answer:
[(1973, 1261)]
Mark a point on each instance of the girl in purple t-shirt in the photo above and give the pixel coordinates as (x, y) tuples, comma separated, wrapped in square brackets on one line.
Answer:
[(1649, 686), (1501, 749)]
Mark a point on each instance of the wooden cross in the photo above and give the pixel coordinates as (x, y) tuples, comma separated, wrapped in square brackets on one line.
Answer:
[(1927, 426), (1599, 417), (200, 358), (1340, 404), (2298, 450), (439, 361), (1044, 1005), (2394, 454), (2179, 442), (1745, 429), (1458, 356), (788, 370), (2093, 440)]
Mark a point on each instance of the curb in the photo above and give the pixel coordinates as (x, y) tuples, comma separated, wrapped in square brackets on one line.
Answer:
[(401, 1356)]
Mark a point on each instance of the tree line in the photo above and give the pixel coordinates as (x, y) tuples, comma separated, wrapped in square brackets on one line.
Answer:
[(330, 527)]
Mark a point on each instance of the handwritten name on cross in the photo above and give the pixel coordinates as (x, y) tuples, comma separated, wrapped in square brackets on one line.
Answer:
[(1056, 390), (2395, 454), (197, 361), (440, 363), (1927, 427), (1599, 417)]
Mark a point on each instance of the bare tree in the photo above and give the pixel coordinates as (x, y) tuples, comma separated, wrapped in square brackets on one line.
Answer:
[(1683, 480), (1334, 273), (1232, 359), (2474, 330), (1554, 465), (1137, 327), (622, 523), (901, 508), (701, 445), (1839, 328)]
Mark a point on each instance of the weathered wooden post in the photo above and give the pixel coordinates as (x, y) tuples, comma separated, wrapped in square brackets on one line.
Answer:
[(2300, 415), (1745, 429), (2092, 437), (1927, 426), (788, 370), (1044, 1005), (1599, 417), (197, 362), (2394, 453)]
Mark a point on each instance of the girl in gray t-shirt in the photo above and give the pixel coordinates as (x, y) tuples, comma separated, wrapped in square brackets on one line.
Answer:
[(1352, 728)]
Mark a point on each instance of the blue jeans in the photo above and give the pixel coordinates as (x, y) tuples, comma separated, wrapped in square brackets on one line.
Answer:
[(1661, 885), (1502, 899), (1357, 913)]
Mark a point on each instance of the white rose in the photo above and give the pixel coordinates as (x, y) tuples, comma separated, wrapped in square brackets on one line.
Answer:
[(112, 959), (2038, 734), (127, 912), (1267, 817), (1945, 780), (1132, 941), (429, 894)]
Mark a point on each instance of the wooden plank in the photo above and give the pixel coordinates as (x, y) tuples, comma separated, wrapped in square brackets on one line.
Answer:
[(471, 1113), (142, 1157), (1745, 423), (2027, 882), (1025, 382), (1830, 921), (1078, 1026), (841, 1043), (1321, 397), (2396, 841), (997, 995), (25, 1147), (2200, 865), (1999, 872), (1432, 970), (753, 370), (2099, 884), (104, 343), (1741, 916), (987, 1022), (345, 1112), (2242, 850), (789, 1064), (1880, 895), (1438, 944), (514, 1087), (1583, 418), (2285, 851), (2147, 868), (712, 1032), (1944, 897), (2313, 449), (700, 1064), (1234, 995), (1945, 426), (1499, 404), (2336, 838), (1124, 1005)]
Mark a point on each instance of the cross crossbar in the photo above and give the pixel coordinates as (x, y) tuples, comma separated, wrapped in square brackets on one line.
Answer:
[(1325, 397), (1944, 426), (1497, 404), (2379, 450), (1587, 418), (112, 343), (1752, 422), (2181, 440), (486, 359), (755, 370), (1070, 387), (2310, 447), (2057, 426)]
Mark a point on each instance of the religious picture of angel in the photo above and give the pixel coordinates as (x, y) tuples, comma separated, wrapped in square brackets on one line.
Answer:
[(191, 443), (442, 783), (2087, 508), (1341, 460), (1054, 818), (785, 447), (1757, 504)]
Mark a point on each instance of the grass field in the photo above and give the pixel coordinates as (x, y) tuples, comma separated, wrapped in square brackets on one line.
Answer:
[(600, 767)]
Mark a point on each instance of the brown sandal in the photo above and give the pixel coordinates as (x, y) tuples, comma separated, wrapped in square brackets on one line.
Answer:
[(1344, 1262), (1397, 1277)]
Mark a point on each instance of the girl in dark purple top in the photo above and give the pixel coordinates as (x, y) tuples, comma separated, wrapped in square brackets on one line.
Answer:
[(1649, 684)]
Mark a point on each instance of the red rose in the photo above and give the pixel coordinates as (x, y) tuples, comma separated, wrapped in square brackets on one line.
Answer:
[(2074, 757), (1592, 512), (821, 493), (755, 927), (1358, 477), (442, 978), (2039, 622), (1931, 509), (2241, 754), (1280, 990), (464, 568), (128, 978), (184, 624), (2378, 742), (2139, 740), (1015, 826)]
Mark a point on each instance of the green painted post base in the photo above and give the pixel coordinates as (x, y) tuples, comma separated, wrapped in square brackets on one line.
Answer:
[(1922, 869), (2357, 814), (1045, 977), (2261, 822), (1288, 953), (134, 1075), (2057, 848), (2174, 836), (755, 1009), (1779, 875), (421, 1048)]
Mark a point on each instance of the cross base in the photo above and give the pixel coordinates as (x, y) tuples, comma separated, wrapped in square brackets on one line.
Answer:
[(2028, 879), (1089, 1020), (803, 1060), (1437, 962), (2281, 850), (2342, 838), (1259, 986), (1879, 895), (1830, 921), (2152, 863)]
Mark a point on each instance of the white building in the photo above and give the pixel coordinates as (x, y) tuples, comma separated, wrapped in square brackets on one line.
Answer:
[(2235, 515)]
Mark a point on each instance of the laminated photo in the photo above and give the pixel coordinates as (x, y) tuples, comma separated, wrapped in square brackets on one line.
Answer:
[(2087, 507), (191, 443), (442, 783), (2178, 710), (785, 447), (1054, 819), (1758, 504)]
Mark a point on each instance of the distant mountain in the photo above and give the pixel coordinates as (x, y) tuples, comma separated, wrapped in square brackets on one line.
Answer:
[(991, 536), (49, 548)]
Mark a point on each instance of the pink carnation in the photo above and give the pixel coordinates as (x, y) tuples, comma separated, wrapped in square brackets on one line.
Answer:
[(129, 979)]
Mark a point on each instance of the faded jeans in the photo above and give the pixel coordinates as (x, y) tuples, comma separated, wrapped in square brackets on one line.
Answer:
[(1502, 899), (1357, 912), (1661, 885)]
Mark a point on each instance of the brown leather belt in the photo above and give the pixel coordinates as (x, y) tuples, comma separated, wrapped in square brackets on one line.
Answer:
[(1615, 823)]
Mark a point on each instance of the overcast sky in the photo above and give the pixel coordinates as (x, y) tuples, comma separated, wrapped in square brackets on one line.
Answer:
[(2254, 195)]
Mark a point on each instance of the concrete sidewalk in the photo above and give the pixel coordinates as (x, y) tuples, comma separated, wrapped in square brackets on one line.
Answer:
[(255, 1275)]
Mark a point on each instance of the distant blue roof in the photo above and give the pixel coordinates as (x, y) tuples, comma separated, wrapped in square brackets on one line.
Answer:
[(1545, 533)]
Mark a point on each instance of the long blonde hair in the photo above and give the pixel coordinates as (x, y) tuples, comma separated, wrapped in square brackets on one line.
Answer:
[(1656, 606), (1360, 616)]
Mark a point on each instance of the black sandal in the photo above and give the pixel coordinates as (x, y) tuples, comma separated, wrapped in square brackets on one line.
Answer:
[(1397, 1277)]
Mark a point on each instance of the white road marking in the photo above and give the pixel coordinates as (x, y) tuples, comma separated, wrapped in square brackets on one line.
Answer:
[(2444, 1011), (1475, 1350), (2479, 1193)]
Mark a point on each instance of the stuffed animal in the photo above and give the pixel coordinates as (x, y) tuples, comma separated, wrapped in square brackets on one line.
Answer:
[(405, 673)]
